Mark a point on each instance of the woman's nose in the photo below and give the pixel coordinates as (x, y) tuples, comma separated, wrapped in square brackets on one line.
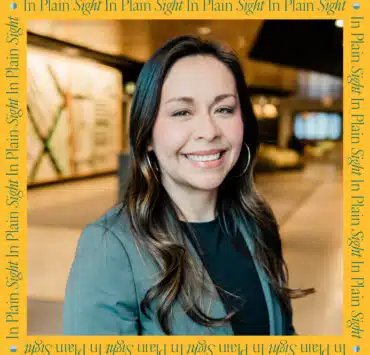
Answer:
[(206, 128)]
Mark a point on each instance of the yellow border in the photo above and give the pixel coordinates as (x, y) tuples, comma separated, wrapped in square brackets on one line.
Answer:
[(13, 201)]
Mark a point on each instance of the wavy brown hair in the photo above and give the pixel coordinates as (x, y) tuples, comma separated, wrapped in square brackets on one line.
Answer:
[(153, 215)]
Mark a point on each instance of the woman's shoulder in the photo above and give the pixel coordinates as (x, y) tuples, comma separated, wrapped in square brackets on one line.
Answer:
[(110, 240), (113, 224), (115, 217), (100, 296)]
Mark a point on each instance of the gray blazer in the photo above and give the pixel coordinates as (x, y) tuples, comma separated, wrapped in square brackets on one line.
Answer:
[(110, 276)]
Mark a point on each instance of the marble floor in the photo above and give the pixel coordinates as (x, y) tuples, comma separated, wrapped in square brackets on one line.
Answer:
[(307, 204)]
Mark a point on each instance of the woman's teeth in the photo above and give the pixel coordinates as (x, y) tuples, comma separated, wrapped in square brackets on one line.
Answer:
[(204, 157)]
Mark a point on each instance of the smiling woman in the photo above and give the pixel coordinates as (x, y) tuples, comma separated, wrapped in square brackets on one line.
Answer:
[(192, 249)]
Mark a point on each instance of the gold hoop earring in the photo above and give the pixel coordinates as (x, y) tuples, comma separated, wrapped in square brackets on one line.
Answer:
[(247, 166)]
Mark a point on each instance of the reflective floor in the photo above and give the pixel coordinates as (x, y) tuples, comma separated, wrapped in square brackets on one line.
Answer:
[(307, 204)]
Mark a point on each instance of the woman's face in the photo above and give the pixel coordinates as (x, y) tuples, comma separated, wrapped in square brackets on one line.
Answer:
[(198, 133)]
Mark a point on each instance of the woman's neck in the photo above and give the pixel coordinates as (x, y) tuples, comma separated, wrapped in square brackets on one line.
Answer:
[(195, 205)]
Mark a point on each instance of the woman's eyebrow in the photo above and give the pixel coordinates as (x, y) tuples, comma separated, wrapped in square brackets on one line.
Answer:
[(188, 99), (182, 99), (221, 97)]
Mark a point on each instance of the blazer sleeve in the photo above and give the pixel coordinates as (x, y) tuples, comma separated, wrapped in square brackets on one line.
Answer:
[(100, 296)]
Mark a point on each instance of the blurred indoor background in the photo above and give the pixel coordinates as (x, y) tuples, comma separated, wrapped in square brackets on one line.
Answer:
[(81, 78)]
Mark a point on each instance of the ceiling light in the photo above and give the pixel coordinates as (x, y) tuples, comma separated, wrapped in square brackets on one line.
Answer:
[(270, 111), (241, 42), (262, 100), (204, 31), (339, 23), (130, 87), (71, 51), (327, 101), (257, 110)]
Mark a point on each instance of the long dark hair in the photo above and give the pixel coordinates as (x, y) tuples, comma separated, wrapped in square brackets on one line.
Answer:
[(153, 214)]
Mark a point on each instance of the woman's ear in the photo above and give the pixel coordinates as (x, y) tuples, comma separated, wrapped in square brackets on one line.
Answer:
[(149, 148)]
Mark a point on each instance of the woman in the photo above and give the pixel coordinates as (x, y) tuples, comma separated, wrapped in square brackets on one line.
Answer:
[(192, 249)]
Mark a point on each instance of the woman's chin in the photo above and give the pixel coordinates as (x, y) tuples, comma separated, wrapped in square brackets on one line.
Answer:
[(207, 184)]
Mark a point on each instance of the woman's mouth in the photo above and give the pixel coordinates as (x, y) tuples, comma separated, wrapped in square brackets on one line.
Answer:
[(206, 159)]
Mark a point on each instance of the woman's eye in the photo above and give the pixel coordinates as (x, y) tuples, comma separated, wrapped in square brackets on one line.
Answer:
[(181, 113), (225, 110)]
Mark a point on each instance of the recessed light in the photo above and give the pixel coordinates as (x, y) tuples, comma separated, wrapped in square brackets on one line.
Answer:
[(130, 87), (262, 100), (204, 31), (241, 42), (339, 23), (71, 51), (270, 111), (327, 101)]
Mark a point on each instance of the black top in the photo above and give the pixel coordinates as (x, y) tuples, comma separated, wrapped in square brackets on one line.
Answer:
[(231, 267)]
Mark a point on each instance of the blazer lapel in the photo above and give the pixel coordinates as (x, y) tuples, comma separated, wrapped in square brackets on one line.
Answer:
[(273, 306)]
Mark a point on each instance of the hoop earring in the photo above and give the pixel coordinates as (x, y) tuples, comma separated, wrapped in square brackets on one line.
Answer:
[(155, 169), (247, 166)]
